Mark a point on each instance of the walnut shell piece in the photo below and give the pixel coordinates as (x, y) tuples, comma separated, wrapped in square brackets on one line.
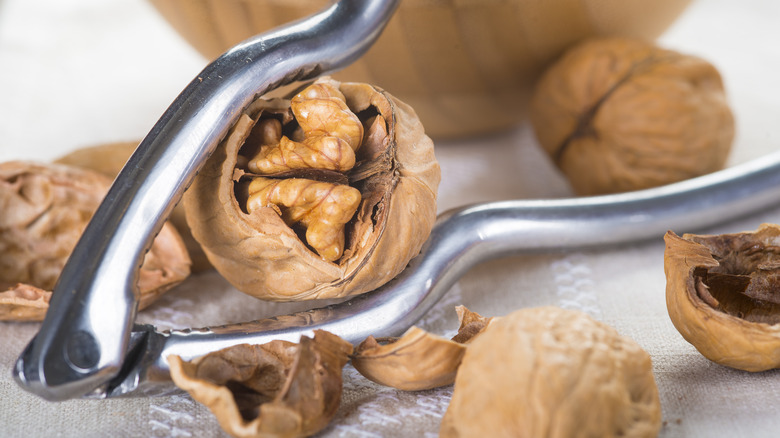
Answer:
[(24, 303), (618, 114), (278, 389), (417, 360), (554, 373), (395, 173), (722, 295), (44, 208)]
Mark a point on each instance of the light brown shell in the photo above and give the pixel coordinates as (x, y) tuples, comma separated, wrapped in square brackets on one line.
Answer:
[(549, 372), (721, 295), (278, 389), (263, 257), (109, 159), (466, 67), (417, 360), (619, 114), (44, 208)]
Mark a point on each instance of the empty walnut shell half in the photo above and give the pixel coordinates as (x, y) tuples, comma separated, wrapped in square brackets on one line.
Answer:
[(44, 208), (619, 114), (271, 206), (550, 372), (723, 295), (278, 389), (417, 360)]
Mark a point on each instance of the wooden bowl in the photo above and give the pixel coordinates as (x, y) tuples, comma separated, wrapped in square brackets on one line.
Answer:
[(466, 66)]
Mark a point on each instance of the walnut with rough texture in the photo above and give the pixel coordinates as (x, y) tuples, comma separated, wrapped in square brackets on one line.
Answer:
[(722, 295), (278, 389), (418, 360), (549, 372), (617, 114), (44, 208), (327, 195)]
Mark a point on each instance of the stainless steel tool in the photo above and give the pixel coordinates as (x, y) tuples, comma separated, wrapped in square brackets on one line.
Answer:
[(88, 345)]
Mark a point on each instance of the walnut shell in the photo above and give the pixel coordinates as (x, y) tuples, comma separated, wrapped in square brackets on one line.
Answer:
[(722, 295), (109, 159), (397, 176), (549, 372), (278, 389), (618, 114), (44, 208), (417, 360)]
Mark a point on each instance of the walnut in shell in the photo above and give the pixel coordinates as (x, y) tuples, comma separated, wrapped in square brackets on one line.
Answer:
[(278, 389), (44, 208), (418, 360), (618, 114), (722, 295), (549, 372), (326, 195)]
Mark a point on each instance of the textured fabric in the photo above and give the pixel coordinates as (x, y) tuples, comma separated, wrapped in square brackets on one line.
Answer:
[(84, 72)]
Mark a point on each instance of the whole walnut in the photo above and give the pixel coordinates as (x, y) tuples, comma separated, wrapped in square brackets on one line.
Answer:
[(44, 209), (324, 195), (550, 372), (723, 295), (618, 114)]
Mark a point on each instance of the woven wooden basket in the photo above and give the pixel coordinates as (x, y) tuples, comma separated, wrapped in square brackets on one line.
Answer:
[(466, 66)]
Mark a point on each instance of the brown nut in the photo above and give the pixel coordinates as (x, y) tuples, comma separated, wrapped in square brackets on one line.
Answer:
[(109, 159), (417, 360), (618, 114), (44, 208), (250, 210), (722, 295), (549, 372), (278, 389)]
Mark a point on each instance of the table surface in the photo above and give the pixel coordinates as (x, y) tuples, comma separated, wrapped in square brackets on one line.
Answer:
[(85, 72)]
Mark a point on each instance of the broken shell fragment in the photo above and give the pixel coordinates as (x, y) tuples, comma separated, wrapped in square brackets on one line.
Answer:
[(24, 303), (44, 209), (417, 360), (278, 389), (722, 295), (273, 248)]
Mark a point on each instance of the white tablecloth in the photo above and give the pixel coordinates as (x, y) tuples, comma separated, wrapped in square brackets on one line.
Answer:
[(82, 72)]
